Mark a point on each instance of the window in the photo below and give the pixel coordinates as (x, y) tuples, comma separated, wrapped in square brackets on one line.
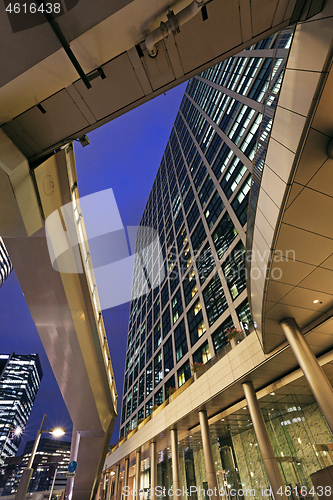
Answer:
[(180, 341), (156, 308), (202, 355), (136, 368), (142, 358), (129, 404), (206, 191), (240, 202), (198, 180), (158, 398), (182, 239), (198, 236), (215, 301), (222, 160), (141, 414), (177, 306), (213, 210), (224, 234), (169, 384), (205, 263), (164, 295), (185, 259), (234, 270), (149, 347), (188, 200), (184, 373), (148, 407), (196, 323), (141, 388), (149, 379), (179, 221), (244, 315), (157, 336), (158, 375), (168, 356), (213, 148), (174, 279), (190, 286), (135, 397), (166, 322), (143, 333), (193, 216), (219, 337), (149, 321), (233, 177)]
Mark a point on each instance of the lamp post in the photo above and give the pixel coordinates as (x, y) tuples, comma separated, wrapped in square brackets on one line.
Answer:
[(27, 473)]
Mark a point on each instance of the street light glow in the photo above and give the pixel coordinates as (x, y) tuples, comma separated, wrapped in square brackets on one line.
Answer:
[(58, 431), (18, 431)]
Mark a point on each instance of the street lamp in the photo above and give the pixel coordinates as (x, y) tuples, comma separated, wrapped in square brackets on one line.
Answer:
[(27, 473)]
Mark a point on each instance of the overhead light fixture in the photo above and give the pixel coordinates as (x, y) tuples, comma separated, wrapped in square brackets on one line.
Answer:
[(316, 301), (272, 393), (83, 140)]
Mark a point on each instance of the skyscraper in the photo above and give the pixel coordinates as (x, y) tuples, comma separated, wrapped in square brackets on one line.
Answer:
[(51, 455), (20, 377), (199, 206), (5, 264)]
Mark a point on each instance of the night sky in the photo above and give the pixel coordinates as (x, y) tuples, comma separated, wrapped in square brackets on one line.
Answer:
[(123, 155)]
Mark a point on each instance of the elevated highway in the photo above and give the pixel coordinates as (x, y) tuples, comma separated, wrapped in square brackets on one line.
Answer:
[(64, 306), (45, 104)]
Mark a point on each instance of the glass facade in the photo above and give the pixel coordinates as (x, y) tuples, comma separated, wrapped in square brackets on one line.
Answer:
[(20, 377), (198, 205)]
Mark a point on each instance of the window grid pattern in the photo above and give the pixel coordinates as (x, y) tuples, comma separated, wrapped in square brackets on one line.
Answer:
[(198, 204)]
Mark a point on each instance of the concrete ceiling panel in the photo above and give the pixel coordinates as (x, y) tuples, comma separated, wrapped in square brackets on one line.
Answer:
[(61, 116)]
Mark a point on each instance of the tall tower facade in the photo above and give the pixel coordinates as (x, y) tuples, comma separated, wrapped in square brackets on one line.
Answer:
[(199, 206), (5, 263), (20, 377)]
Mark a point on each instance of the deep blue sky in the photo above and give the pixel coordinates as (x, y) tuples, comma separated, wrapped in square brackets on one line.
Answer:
[(123, 155)]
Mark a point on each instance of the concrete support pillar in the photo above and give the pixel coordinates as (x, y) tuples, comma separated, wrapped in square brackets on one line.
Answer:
[(116, 482), (126, 474), (108, 495), (153, 469), (208, 454), (314, 374), (266, 450), (103, 496), (175, 460), (137, 474)]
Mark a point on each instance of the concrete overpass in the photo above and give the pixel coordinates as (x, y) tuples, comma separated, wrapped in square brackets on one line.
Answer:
[(45, 104), (64, 306)]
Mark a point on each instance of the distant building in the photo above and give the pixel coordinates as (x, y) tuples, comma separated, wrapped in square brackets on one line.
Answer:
[(20, 377), (52, 455), (5, 263)]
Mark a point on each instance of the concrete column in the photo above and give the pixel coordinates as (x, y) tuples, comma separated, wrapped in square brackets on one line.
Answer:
[(116, 482), (267, 453), (208, 454), (137, 474), (153, 469), (126, 474), (314, 374), (108, 495), (103, 496), (175, 460)]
